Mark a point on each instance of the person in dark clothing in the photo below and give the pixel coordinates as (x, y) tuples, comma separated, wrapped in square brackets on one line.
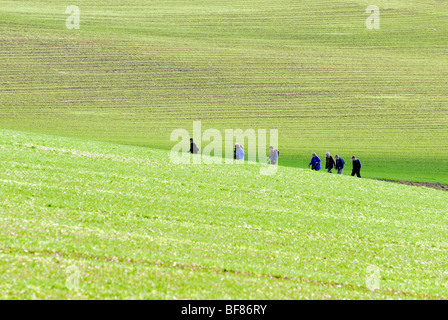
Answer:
[(330, 163), (193, 148), (315, 162), (356, 167), (339, 164)]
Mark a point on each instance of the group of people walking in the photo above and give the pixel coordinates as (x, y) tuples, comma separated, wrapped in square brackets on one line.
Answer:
[(336, 163), (238, 154), (331, 163)]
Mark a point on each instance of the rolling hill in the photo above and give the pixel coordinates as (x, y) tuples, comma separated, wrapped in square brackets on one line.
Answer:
[(86, 219), (136, 70)]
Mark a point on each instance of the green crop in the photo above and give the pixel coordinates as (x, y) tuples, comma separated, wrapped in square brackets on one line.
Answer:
[(136, 70), (84, 219)]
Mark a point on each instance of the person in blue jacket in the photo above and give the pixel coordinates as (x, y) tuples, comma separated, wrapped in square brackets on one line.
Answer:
[(239, 152), (315, 162), (339, 164)]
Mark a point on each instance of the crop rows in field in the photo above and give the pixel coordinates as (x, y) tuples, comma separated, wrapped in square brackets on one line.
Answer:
[(134, 72)]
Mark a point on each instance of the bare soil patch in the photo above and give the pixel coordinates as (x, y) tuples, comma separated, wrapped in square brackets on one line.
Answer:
[(437, 186)]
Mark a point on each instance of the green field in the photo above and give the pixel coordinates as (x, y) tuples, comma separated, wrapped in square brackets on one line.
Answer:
[(136, 70), (134, 225), (92, 207)]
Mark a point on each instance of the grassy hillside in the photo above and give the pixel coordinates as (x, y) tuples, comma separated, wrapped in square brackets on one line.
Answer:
[(138, 69), (133, 225)]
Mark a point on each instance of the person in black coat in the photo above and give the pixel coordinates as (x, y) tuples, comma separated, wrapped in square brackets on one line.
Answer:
[(193, 148), (356, 167), (330, 163)]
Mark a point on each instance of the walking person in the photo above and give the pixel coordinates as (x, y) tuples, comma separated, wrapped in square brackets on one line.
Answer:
[(315, 162), (356, 167), (273, 156), (193, 148), (339, 164), (330, 163), (239, 152)]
